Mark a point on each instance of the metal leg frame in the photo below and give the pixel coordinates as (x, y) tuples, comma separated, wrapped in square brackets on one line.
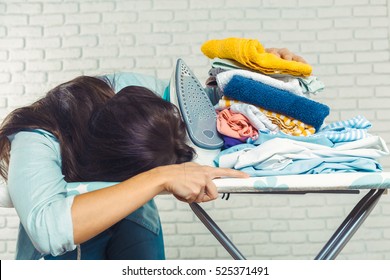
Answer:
[(350, 225), (331, 249), (216, 231)]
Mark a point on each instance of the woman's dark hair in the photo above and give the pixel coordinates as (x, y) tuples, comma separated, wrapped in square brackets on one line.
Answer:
[(102, 136), (64, 111), (135, 131)]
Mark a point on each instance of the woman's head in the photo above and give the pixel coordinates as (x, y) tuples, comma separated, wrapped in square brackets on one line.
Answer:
[(64, 111), (134, 131)]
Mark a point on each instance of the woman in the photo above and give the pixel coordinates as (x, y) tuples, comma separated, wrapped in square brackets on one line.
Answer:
[(40, 155), (41, 151)]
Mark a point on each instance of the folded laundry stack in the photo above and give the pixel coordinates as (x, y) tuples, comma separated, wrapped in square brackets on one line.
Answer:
[(269, 122)]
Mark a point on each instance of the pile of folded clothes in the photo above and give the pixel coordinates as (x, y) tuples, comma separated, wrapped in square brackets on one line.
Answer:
[(269, 122)]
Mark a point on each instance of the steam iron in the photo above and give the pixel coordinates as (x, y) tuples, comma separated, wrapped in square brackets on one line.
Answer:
[(198, 113)]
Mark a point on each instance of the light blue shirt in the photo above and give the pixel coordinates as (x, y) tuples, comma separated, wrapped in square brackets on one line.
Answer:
[(41, 196)]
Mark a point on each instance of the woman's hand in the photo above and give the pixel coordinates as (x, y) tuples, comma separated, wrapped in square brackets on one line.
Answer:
[(285, 54), (191, 182)]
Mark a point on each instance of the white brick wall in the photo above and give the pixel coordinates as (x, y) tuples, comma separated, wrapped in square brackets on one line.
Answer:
[(43, 43)]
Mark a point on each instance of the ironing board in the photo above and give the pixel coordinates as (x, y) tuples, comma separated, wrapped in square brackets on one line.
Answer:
[(198, 113), (375, 183)]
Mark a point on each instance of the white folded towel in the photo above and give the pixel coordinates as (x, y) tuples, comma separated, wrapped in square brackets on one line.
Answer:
[(290, 85), (255, 117)]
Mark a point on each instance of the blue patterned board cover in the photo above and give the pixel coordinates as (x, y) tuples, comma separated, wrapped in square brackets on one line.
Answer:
[(307, 182)]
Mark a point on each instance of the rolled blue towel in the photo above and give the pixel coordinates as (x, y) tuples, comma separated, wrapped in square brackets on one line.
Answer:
[(276, 100)]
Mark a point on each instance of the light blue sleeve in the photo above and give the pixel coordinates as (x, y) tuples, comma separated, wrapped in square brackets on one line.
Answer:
[(123, 79), (39, 192)]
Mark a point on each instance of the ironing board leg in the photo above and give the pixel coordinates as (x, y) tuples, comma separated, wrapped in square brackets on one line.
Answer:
[(216, 231), (350, 225)]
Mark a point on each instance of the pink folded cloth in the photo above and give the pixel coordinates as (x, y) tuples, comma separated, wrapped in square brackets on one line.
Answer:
[(235, 125)]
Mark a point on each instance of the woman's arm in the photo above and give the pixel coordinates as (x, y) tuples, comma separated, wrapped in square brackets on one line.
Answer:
[(95, 211), (189, 182), (38, 192)]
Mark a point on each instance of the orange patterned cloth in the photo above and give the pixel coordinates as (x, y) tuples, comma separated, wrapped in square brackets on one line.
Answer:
[(235, 125)]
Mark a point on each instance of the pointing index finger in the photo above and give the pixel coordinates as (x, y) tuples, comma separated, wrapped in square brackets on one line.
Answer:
[(227, 172)]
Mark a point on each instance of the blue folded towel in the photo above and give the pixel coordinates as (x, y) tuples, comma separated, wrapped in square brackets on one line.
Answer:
[(276, 100)]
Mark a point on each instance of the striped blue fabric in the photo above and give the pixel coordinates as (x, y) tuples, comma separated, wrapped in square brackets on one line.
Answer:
[(346, 131)]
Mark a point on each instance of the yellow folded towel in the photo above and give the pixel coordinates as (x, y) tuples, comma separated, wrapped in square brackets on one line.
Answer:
[(251, 53)]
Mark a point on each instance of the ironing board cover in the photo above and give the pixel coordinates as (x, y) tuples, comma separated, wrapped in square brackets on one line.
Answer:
[(306, 182)]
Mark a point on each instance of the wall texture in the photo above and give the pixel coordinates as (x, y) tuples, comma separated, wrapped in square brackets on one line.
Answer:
[(43, 43)]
